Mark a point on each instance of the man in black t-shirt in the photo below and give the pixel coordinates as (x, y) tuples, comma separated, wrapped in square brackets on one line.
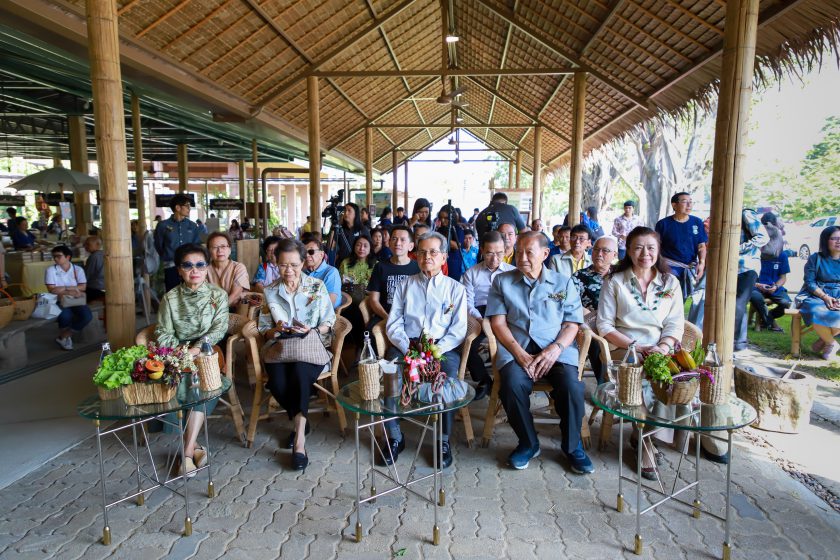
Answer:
[(388, 275)]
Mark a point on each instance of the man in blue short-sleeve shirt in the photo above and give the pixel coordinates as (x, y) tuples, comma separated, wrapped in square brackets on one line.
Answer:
[(683, 242), (771, 286)]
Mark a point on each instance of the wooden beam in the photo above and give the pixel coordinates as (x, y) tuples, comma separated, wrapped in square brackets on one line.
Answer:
[(255, 176), (395, 164), (576, 171), (368, 165), (638, 7), (243, 188), (518, 177), (695, 17), (445, 72), (405, 186), (536, 175), (183, 168), (472, 125), (198, 24), (313, 105), (162, 19), (731, 128), (137, 132), (319, 63), (108, 111), (127, 7), (564, 52)]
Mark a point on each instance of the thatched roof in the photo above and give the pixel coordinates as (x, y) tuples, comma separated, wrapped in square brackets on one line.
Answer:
[(643, 56)]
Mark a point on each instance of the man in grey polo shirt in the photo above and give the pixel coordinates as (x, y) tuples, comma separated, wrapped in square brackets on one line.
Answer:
[(535, 314)]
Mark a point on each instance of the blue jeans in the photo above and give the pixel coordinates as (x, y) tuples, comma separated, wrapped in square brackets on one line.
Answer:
[(75, 318)]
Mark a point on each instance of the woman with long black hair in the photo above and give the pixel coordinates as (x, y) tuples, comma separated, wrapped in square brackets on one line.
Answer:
[(455, 235), (421, 214), (351, 228)]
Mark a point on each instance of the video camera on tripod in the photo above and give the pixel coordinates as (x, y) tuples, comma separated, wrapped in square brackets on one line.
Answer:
[(334, 207)]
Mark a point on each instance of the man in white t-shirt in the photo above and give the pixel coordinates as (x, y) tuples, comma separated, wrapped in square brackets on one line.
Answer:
[(67, 279)]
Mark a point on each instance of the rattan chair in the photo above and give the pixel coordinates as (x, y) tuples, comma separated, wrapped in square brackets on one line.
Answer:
[(254, 340), (346, 300), (543, 414), (250, 310), (691, 336)]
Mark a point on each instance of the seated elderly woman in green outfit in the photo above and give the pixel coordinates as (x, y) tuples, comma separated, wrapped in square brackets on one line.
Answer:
[(193, 310)]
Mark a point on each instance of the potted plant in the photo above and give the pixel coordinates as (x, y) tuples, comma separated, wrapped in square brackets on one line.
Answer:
[(675, 378), (115, 371), (156, 375)]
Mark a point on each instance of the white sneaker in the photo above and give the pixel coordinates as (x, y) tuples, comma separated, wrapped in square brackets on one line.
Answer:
[(65, 343)]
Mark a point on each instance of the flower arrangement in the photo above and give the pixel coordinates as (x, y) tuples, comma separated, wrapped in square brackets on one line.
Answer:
[(422, 361), (162, 364)]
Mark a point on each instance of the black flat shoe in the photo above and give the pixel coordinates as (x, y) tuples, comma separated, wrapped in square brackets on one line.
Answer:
[(396, 448), (709, 456), (445, 458), (481, 391), (299, 461), (291, 443)]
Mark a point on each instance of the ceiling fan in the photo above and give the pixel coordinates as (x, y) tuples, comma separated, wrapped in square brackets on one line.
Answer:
[(446, 98)]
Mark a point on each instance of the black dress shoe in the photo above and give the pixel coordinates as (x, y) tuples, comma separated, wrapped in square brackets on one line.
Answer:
[(299, 461), (481, 391), (291, 443), (709, 456), (396, 448), (445, 459)]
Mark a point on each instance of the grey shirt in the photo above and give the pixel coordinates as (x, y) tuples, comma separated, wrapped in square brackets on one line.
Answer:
[(95, 270)]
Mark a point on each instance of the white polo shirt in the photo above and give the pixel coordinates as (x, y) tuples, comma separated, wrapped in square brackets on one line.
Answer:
[(57, 276)]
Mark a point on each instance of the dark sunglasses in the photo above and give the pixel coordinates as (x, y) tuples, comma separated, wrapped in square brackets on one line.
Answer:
[(200, 265), (312, 251)]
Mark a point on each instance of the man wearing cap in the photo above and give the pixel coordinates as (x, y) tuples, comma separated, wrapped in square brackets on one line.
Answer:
[(623, 225)]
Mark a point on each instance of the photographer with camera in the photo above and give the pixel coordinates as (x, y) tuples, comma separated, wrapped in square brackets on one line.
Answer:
[(498, 212)]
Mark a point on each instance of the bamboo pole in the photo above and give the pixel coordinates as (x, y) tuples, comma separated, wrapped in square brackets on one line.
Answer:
[(139, 185), (727, 174), (576, 167), (108, 111), (79, 162), (518, 164), (255, 175), (536, 182), (405, 187), (510, 174), (313, 108), (183, 168), (394, 169), (368, 165), (243, 188)]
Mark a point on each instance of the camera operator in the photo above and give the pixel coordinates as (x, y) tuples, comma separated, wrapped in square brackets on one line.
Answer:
[(498, 212), (350, 228)]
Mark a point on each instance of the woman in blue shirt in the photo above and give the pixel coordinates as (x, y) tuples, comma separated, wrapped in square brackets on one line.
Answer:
[(21, 238), (819, 299)]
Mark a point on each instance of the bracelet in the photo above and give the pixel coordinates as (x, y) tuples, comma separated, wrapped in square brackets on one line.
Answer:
[(560, 346), (666, 345)]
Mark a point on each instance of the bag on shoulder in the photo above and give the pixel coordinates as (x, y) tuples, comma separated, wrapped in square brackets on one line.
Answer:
[(308, 349), (46, 306)]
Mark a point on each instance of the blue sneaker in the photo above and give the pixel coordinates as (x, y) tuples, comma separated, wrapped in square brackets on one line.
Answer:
[(522, 455), (579, 461)]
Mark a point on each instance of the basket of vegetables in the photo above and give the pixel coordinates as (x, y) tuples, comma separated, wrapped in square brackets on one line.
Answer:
[(675, 378), (156, 374), (115, 371)]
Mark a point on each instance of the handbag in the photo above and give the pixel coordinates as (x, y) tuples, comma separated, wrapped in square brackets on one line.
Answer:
[(308, 349), (451, 390), (73, 301), (46, 306)]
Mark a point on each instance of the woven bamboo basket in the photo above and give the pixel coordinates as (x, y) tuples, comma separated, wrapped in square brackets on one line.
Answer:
[(24, 306), (717, 392), (147, 393), (369, 381), (209, 373), (7, 310), (630, 385), (679, 392), (109, 394)]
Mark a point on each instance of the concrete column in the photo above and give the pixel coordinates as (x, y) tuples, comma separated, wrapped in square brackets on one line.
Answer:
[(291, 207)]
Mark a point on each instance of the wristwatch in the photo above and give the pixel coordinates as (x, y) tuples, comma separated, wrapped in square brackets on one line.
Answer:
[(560, 346)]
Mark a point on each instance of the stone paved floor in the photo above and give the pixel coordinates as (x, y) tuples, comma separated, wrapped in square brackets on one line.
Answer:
[(264, 510)]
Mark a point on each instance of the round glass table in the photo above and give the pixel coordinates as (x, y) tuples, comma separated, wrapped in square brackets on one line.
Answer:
[(127, 418), (427, 416), (717, 422)]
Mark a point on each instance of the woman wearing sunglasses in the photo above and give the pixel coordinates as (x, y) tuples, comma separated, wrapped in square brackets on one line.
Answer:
[(188, 313)]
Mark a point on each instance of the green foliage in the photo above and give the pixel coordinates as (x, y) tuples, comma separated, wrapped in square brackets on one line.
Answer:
[(115, 370), (657, 369)]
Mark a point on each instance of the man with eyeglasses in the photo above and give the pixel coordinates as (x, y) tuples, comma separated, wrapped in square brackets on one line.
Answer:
[(434, 303), (535, 314), (576, 258), (508, 233), (316, 265), (477, 281), (173, 232), (388, 276), (683, 243)]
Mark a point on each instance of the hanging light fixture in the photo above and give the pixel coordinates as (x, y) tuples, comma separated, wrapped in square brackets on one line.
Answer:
[(452, 38)]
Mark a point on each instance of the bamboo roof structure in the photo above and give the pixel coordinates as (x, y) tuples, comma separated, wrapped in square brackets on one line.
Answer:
[(387, 62)]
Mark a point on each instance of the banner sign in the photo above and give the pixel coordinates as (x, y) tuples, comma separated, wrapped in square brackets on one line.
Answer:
[(11, 200), (226, 204)]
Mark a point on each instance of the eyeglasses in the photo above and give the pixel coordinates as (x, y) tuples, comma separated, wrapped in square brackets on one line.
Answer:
[(312, 251), (499, 254), (604, 250), (289, 266), (580, 238), (200, 265), (433, 253), (219, 247)]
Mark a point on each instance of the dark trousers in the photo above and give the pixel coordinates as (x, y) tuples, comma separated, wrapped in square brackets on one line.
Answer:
[(597, 363), (450, 365), (171, 278), (475, 363), (291, 385), (684, 277), (743, 290), (93, 294), (780, 297), (566, 390), (75, 318)]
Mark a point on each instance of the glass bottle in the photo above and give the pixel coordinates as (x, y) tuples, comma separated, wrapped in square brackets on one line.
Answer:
[(368, 355), (631, 358), (712, 357), (106, 351), (206, 347)]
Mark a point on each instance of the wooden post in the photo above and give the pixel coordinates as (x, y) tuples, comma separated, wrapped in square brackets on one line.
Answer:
[(313, 108), (243, 188), (510, 174), (108, 111), (740, 30), (405, 187), (576, 167), (518, 176), (79, 162), (183, 168), (143, 224), (368, 166), (536, 182), (255, 176), (394, 169)]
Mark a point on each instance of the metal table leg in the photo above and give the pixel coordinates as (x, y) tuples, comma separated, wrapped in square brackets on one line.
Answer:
[(141, 498), (106, 530), (697, 505), (619, 500), (187, 520), (358, 487), (637, 546), (726, 545), (211, 488), (436, 449)]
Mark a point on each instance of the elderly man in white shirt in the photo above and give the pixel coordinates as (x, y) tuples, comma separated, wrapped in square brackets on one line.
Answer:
[(477, 281), (437, 304)]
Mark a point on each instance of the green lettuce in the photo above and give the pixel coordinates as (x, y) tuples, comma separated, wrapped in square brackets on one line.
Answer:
[(115, 370)]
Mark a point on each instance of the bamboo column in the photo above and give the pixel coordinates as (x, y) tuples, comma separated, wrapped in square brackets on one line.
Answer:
[(510, 174), (108, 111), (243, 188), (518, 164), (140, 187), (313, 108), (255, 176), (405, 187), (395, 168), (368, 166), (183, 168), (727, 175), (536, 182), (79, 162), (576, 167)]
